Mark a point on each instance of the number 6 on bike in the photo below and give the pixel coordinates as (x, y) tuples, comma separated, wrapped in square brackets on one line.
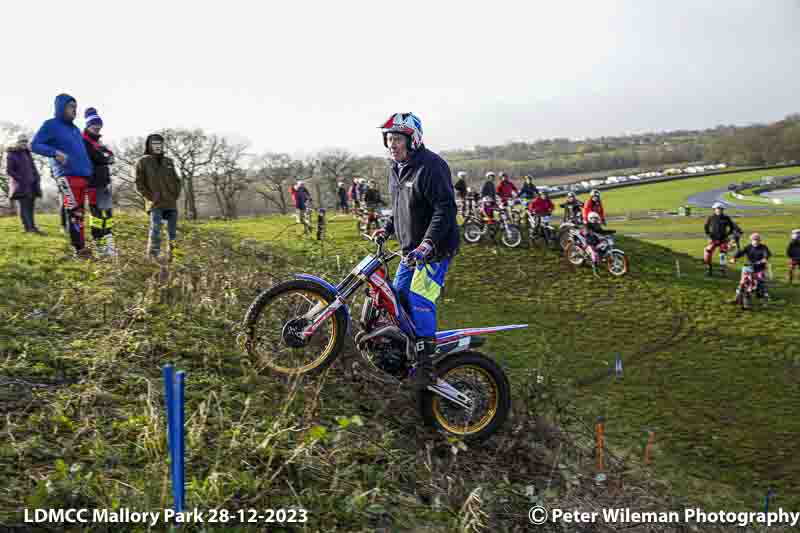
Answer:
[(299, 326)]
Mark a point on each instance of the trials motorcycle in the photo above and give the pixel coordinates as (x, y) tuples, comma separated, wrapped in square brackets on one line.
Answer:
[(299, 327)]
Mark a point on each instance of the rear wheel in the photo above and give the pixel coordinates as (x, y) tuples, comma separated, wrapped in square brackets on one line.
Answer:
[(617, 263), (478, 377), (511, 236), (472, 232), (574, 254), (273, 323)]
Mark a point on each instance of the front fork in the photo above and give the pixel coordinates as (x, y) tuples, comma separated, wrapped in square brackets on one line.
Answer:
[(319, 314)]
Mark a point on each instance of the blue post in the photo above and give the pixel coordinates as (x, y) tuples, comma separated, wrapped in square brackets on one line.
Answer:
[(766, 501), (169, 373), (618, 366), (179, 440)]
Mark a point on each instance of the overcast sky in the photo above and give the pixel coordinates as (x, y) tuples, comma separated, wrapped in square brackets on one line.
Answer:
[(299, 76)]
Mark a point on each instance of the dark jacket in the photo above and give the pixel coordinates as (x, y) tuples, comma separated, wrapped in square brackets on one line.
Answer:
[(424, 204), (156, 176), (754, 255), (301, 197), (62, 135), (488, 190), (25, 181), (342, 192), (793, 250), (102, 158), (528, 191), (572, 210), (373, 198), (461, 187), (719, 227)]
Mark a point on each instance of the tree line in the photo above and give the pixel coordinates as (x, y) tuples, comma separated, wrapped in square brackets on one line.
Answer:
[(221, 174)]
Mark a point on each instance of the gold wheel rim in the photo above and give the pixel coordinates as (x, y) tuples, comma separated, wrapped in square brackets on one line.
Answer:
[(326, 351), (485, 420)]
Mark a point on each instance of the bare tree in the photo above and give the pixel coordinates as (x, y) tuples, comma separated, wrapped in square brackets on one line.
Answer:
[(192, 151), (271, 172), (227, 175), (332, 164), (123, 172)]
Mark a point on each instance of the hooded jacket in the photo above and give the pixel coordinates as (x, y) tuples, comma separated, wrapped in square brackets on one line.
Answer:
[(720, 227), (101, 157), (424, 204), (60, 134), (506, 189), (528, 191), (541, 206), (25, 181), (488, 190), (157, 180)]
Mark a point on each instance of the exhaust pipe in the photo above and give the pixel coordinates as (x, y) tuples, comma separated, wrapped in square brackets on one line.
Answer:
[(386, 331)]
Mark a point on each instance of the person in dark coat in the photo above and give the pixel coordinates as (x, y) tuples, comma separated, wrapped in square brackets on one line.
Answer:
[(24, 183), (100, 205)]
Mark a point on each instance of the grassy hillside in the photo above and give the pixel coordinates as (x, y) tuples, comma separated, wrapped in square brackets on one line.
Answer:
[(83, 343)]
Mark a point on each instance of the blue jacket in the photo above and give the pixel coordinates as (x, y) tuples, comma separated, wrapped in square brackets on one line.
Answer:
[(62, 135)]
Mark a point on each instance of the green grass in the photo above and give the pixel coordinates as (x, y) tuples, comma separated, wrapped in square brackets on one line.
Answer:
[(83, 344), (672, 194)]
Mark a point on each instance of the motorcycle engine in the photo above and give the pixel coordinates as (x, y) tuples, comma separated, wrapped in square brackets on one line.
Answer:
[(390, 357)]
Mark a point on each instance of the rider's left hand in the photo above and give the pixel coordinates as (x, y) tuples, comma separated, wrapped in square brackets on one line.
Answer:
[(421, 252)]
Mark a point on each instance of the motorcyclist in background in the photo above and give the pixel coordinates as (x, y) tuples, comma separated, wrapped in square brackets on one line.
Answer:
[(461, 192), (572, 209), (793, 253), (488, 186), (506, 190), (758, 255), (594, 205), (592, 233), (528, 191)]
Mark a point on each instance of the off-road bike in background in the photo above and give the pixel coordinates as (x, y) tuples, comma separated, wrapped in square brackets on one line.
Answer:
[(577, 253), (540, 232), (476, 228), (299, 327)]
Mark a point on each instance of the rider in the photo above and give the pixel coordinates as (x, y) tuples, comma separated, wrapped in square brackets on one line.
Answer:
[(793, 253), (541, 206), (529, 190), (488, 187), (757, 254), (424, 221), (461, 191), (718, 228), (593, 204), (572, 208), (591, 233), (506, 189)]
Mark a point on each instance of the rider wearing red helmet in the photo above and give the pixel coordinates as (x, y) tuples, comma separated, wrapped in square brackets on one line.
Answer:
[(424, 221)]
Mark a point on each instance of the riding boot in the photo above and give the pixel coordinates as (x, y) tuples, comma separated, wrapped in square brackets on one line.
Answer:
[(708, 270), (722, 271), (425, 373)]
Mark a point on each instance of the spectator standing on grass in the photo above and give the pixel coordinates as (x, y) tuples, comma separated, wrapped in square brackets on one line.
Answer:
[(157, 181), (100, 205), (60, 139), (354, 194), (24, 183), (301, 198), (718, 228), (341, 192)]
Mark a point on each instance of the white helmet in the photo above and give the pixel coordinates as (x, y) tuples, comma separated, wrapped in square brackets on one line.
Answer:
[(795, 232), (717, 205), (469, 190), (594, 217), (299, 183), (595, 192), (490, 174), (462, 174)]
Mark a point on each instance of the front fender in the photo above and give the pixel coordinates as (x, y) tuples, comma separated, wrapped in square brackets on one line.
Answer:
[(616, 250), (331, 288)]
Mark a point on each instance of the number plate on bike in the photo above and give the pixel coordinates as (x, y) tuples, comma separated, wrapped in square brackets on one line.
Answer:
[(364, 262), (546, 219)]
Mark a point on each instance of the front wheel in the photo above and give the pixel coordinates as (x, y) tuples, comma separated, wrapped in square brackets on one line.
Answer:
[(574, 254), (564, 237), (478, 377), (472, 232), (617, 263), (273, 324), (511, 236)]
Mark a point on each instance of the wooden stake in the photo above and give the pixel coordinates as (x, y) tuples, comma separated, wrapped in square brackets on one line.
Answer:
[(650, 440), (678, 268), (599, 428)]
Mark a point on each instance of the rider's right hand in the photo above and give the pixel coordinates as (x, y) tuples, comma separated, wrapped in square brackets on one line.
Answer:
[(379, 233)]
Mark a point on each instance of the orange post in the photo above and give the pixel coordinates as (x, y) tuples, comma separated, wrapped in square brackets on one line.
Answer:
[(647, 447), (600, 445)]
